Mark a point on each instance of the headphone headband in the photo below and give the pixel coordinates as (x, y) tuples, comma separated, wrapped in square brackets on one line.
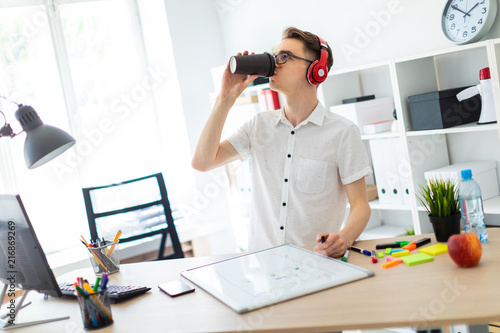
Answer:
[(318, 70)]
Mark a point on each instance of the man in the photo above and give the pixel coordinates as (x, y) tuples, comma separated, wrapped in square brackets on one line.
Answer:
[(305, 160)]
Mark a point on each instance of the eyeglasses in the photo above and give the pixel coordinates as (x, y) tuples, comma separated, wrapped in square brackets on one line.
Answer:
[(283, 57)]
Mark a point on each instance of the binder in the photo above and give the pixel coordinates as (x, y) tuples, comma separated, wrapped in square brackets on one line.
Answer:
[(271, 99), (385, 165)]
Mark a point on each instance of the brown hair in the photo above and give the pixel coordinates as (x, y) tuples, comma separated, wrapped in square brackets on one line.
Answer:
[(310, 41)]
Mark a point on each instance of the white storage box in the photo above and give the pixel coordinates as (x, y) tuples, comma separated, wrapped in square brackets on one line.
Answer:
[(367, 112), (483, 172)]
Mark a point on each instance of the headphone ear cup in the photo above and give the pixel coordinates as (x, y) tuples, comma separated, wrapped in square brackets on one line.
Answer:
[(316, 73), (310, 73), (310, 69)]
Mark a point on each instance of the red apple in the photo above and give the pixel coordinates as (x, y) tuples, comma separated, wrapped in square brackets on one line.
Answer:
[(465, 249)]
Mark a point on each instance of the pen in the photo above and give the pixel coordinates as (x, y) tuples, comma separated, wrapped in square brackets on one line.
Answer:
[(99, 262), (346, 255), (374, 257), (323, 239), (360, 250)]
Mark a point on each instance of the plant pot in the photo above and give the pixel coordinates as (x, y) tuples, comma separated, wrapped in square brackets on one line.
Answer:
[(445, 226)]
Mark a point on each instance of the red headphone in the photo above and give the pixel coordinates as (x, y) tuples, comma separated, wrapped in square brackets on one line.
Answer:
[(318, 70)]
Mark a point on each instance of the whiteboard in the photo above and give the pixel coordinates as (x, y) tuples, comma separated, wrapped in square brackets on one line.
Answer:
[(270, 276)]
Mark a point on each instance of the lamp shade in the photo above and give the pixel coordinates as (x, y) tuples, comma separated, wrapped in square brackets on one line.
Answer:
[(43, 142)]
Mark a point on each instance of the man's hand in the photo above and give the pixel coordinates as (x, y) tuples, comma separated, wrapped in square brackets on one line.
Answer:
[(334, 245), (234, 84)]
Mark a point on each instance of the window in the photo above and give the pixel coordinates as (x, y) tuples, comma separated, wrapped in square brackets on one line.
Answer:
[(104, 72)]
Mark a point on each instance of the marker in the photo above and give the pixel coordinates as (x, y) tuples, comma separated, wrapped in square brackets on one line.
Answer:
[(346, 255), (374, 257), (360, 250), (323, 239), (105, 280), (96, 284), (423, 241), (387, 245)]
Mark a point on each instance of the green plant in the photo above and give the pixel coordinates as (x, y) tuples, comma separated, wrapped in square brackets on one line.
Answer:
[(440, 197), (409, 232)]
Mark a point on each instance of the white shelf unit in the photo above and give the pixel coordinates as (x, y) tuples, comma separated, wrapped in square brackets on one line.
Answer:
[(454, 67)]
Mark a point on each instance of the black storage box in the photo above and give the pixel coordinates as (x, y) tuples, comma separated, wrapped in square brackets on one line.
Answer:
[(441, 109)]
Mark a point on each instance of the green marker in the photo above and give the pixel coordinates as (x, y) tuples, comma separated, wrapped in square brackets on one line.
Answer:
[(346, 254)]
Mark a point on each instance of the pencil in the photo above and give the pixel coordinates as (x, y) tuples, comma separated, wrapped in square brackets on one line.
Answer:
[(112, 248)]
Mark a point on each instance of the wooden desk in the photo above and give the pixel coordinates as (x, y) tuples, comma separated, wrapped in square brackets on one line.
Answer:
[(433, 294)]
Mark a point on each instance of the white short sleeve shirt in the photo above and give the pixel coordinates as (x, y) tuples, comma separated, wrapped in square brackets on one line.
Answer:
[(298, 174)]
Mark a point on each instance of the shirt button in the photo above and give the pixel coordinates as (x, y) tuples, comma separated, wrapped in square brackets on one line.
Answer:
[(293, 132), (284, 203), (282, 227), (288, 155), (286, 180)]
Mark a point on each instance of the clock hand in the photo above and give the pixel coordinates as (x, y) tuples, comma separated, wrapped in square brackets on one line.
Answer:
[(456, 8), (470, 10)]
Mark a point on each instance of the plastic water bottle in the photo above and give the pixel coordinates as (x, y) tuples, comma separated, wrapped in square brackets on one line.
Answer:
[(471, 206)]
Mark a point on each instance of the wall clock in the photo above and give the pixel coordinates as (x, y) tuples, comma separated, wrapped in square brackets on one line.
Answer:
[(467, 21)]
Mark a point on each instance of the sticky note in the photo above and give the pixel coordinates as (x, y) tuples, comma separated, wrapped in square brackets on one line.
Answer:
[(418, 258), (391, 259), (380, 254), (400, 253), (389, 264), (394, 251), (388, 251), (435, 249)]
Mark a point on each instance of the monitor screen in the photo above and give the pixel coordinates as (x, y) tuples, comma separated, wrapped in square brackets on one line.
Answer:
[(22, 260)]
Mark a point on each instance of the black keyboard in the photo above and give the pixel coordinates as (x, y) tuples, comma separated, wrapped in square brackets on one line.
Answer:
[(116, 293)]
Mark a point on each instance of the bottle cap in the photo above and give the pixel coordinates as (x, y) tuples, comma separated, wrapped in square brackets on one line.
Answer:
[(484, 73), (466, 174)]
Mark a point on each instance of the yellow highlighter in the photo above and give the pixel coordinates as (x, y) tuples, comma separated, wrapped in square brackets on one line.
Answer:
[(97, 302)]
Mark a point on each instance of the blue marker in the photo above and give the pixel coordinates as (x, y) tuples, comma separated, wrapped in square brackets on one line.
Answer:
[(360, 250)]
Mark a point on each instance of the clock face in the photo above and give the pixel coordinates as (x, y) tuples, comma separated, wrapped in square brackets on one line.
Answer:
[(466, 21)]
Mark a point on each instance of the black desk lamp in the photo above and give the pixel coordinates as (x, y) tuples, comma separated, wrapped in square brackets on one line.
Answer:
[(43, 142)]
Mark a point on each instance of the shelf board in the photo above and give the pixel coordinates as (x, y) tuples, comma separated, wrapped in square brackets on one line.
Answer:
[(492, 205), (375, 204), (258, 87), (383, 231), (382, 135), (472, 127), (359, 68), (453, 49)]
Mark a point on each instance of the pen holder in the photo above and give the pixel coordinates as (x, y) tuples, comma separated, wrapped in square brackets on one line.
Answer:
[(95, 310), (105, 259)]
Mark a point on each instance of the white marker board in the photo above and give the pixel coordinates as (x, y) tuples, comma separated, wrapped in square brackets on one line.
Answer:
[(270, 276)]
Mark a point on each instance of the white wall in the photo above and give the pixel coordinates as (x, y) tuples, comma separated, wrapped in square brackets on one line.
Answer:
[(198, 46), (205, 33), (360, 31)]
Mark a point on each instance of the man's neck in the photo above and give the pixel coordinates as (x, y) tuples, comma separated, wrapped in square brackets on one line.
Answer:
[(299, 108)]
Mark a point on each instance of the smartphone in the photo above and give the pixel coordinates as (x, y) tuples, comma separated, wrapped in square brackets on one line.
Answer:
[(176, 288)]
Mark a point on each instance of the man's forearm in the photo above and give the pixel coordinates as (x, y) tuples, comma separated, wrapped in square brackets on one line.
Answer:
[(356, 222), (208, 144)]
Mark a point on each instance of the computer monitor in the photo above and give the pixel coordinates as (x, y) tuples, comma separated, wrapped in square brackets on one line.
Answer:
[(23, 263)]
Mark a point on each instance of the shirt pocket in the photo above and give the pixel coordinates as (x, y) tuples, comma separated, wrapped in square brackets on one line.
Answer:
[(311, 175)]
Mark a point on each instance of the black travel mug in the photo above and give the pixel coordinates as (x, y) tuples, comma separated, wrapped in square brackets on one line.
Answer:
[(260, 64)]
